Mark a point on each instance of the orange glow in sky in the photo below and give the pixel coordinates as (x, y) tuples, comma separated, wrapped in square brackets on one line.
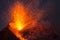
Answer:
[(19, 17)]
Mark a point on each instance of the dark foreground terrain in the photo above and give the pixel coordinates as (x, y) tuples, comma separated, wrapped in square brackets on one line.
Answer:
[(29, 34)]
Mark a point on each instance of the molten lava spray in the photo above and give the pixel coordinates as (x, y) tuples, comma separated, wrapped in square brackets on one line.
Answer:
[(19, 16), (20, 19)]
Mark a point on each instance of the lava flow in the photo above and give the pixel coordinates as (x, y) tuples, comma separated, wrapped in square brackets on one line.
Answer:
[(20, 19)]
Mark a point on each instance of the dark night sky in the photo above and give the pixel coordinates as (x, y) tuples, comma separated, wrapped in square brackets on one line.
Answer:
[(4, 14)]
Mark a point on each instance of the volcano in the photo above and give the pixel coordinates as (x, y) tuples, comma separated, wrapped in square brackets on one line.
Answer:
[(28, 22)]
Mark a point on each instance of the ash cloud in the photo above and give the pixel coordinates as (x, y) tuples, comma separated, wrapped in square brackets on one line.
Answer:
[(44, 13)]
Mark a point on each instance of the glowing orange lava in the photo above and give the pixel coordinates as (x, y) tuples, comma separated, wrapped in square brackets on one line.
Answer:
[(20, 19)]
